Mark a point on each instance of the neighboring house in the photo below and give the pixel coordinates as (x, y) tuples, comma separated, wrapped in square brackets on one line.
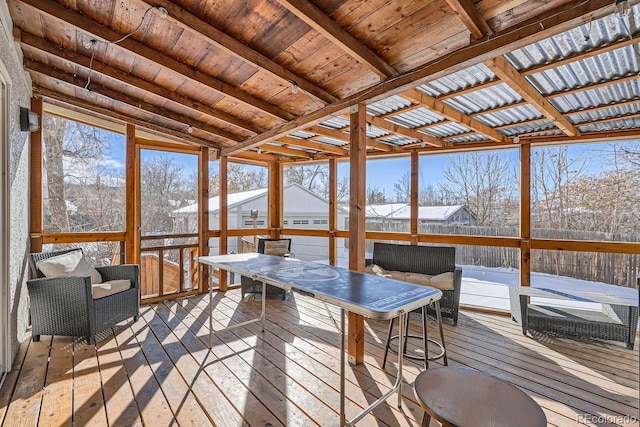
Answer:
[(398, 213), (302, 209)]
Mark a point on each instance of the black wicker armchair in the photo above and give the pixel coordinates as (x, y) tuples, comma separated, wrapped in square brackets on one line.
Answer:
[(280, 247), (65, 305), (430, 260)]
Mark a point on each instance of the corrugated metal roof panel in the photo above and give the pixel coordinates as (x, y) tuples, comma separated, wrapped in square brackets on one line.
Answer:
[(512, 115), (331, 141), (335, 122), (374, 132), (528, 128), (445, 130), (469, 77), (398, 140), (416, 118), (614, 111), (466, 138), (388, 105), (596, 97), (630, 123), (581, 39), (301, 134), (485, 99)]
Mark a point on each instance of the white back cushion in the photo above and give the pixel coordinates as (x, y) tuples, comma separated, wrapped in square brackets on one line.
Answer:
[(70, 264)]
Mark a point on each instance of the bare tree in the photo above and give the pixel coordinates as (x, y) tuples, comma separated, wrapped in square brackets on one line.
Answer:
[(402, 188), (71, 153), (315, 178), (374, 195), (481, 180), (162, 190), (553, 176)]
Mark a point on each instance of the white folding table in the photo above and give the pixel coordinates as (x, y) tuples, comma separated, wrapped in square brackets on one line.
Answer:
[(365, 294)]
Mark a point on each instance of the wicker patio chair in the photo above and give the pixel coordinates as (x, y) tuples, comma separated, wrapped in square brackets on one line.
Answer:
[(430, 260), (280, 247), (65, 305)]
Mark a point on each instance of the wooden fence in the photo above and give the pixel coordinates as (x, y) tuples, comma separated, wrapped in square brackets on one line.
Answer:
[(611, 268)]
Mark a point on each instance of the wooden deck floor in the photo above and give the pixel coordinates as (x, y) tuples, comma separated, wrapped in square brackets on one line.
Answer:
[(158, 371)]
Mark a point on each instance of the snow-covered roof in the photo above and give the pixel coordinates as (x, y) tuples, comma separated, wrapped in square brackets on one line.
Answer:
[(233, 199), (383, 210), (241, 197), (428, 213)]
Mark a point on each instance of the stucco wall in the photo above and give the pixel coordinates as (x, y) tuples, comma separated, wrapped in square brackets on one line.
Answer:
[(19, 96)]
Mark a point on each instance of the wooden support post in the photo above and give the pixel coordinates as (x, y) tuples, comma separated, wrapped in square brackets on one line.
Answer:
[(203, 216), (525, 214), (275, 215), (357, 186), (333, 211), (132, 198), (35, 204), (414, 197), (223, 220)]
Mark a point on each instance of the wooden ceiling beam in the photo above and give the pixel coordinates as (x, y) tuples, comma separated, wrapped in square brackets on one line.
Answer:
[(238, 49), (81, 22), (251, 157), (316, 19), (78, 84), (314, 145), (29, 41), (82, 105), (270, 148), (450, 113), (404, 131), (341, 136), (328, 132), (470, 17), (508, 74), (538, 27)]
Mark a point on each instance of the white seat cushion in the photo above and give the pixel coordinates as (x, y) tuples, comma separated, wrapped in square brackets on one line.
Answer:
[(442, 281), (104, 289), (70, 264)]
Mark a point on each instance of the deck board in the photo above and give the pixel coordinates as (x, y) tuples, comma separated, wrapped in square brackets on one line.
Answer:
[(159, 371)]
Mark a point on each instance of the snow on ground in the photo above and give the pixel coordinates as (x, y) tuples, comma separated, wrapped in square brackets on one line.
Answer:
[(489, 288)]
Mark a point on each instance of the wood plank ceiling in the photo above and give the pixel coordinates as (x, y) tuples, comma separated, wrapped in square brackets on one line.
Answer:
[(262, 78)]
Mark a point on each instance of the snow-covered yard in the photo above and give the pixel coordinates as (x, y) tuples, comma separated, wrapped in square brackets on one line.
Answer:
[(489, 288)]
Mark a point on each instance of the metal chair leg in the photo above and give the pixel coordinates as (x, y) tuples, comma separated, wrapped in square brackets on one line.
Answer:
[(425, 341), (386, 346), (439, 316)]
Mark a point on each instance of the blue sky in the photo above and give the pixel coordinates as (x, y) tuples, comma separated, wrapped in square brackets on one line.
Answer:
[(381, 173)]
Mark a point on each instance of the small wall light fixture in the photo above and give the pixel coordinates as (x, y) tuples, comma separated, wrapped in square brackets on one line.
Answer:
[(516, 139), (29, 121)]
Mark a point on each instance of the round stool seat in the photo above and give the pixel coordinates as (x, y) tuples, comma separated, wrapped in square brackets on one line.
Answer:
[(457, 396)]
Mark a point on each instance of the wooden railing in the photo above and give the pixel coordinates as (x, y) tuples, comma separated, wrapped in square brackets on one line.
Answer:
[(163, 275)]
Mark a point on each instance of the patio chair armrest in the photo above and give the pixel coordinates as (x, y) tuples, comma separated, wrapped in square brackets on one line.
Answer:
[(119, 272)]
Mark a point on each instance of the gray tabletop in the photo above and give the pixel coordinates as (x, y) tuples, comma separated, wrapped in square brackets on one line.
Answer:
[(372, 296)]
